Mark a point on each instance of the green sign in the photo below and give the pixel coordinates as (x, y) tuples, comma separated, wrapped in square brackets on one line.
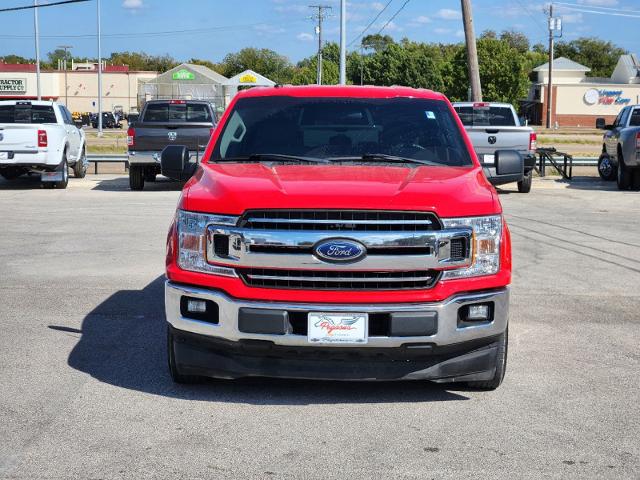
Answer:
[(183, 74)]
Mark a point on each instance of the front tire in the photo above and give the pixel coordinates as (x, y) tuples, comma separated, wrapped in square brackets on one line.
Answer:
[(606, 170), (501, 366), (136, 177), (524, 185), (174, 371), (80, 168), (624, 175)]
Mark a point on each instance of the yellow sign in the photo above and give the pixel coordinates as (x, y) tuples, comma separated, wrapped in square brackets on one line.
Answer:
[(248, 78)]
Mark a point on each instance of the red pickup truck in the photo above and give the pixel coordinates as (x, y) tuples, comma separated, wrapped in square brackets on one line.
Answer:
[(343, 233)]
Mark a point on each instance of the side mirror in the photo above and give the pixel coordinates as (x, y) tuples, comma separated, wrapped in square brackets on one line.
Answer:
[(509, 162), (601, 123), (175, 164)]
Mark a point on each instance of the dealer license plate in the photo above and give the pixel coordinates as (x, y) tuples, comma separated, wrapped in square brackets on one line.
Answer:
[(489, 159), (338, 328)]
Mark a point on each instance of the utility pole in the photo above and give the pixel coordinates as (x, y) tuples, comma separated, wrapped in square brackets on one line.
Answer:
[(320, 16), (99, 75), (472, 53), (66, 91), (343, 42), (37, 34), (555, 24)]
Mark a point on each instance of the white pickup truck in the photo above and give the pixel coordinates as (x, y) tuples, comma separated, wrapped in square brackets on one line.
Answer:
[(40, 136), (495, 126)]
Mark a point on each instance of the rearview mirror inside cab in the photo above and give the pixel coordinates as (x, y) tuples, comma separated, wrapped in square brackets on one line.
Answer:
[(509, 162)]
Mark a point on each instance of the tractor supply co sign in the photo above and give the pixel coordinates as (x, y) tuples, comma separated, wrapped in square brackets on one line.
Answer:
[(13, 85)]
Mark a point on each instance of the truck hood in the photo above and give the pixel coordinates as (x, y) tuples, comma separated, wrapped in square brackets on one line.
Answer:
[(234, 188)]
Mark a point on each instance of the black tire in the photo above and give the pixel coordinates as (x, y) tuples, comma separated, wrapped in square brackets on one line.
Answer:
[(176, 376), (80, 168), (64, 168), (524, 185), (606, 169), (624, 175), (501, 366), (136, 177), (635, 183)]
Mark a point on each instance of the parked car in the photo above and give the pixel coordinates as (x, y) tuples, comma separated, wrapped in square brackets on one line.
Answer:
[(496, 126), (40, 136), (339, 233), (108, 121), (620, 158), (162, 123)]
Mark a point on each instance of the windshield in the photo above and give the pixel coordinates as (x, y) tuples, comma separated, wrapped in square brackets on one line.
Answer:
[(411, 128), (486, 116)]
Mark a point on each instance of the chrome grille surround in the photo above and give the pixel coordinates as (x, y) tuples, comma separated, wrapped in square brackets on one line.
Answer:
[(395, 250)]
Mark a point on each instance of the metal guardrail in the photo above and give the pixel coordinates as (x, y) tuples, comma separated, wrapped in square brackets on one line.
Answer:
[(97, 158)]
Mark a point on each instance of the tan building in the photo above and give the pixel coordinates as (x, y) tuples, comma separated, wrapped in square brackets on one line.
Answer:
[(577, 100), (119, 85)]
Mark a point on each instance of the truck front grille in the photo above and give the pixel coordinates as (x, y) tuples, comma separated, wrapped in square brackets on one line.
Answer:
[(337, 280), (340, 220)]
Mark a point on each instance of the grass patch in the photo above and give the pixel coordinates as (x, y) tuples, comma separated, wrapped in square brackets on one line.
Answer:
[(568, 140), (106, 149)]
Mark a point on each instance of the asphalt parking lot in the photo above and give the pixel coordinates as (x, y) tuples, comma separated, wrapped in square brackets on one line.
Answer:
[(85, 392)]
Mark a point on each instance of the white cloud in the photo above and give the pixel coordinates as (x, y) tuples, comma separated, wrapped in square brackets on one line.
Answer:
[(448, 14), (132, 4), (266, 29), (305, 37), (442, 31), (572, 18), (460, 33)]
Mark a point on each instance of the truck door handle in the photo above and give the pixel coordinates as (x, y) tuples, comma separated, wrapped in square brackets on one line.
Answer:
[(491, 130)]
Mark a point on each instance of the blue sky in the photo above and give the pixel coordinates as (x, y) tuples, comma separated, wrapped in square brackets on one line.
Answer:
[(224, 26)]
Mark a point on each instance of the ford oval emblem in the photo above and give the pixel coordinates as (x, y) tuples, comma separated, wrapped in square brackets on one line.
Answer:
[(339, 250)]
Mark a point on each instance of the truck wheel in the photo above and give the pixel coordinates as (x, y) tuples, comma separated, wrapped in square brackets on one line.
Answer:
[(635, 184), (136, 177), (80, 168), (624, 175), (606, 170), (501, 366), (176, 376), (64, 168), (524, 185)]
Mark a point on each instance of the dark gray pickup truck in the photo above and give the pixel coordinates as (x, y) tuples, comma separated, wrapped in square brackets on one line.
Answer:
[(163, 123)]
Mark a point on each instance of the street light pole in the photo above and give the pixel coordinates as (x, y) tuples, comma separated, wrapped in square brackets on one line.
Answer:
[(99, 75), (343, 42), (66, 90), (37, 34)]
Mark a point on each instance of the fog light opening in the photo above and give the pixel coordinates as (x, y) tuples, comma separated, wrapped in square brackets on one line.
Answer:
[(475, 314), (199, 309)]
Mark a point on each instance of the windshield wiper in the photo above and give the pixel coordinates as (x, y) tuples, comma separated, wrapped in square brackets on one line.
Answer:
[(265, 157), (374, 157)]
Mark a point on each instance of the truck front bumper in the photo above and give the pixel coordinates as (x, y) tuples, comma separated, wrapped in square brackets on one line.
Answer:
[(454, 351)]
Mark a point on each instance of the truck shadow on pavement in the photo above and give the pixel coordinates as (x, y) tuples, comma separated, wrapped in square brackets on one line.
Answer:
[(123, 343), (121, 184), (23, 182)]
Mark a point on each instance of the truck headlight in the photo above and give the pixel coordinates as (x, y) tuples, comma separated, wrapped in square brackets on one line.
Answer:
[(192, 241), (487, 233)]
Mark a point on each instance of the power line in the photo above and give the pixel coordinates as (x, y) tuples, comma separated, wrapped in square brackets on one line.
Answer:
[(28, 7), (393, 16), (370, 24), (582, 10), (595, 7), (528, 12), (143, 34)]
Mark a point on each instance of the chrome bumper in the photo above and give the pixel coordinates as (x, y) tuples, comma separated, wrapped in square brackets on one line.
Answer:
[(144, 158), (448, 332)]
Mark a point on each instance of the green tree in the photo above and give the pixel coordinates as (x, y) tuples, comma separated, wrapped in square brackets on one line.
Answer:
[(517, 40), (503, 72), (594, 53), (377, 42), (16, 59), (261, 60)]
